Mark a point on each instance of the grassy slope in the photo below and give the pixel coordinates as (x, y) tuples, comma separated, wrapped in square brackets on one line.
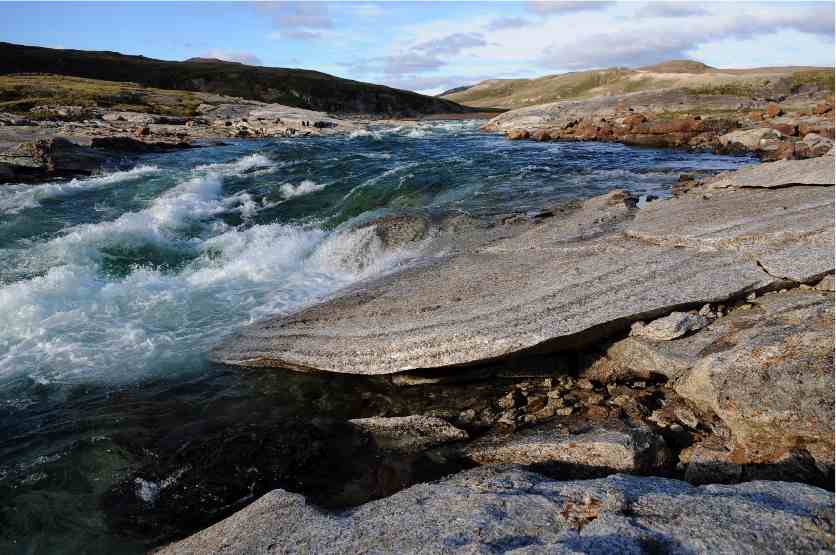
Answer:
[(516, 93), (20, 93), (293, 87)]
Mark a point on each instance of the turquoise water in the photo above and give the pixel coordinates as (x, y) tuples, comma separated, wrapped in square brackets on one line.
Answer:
[(112, 288)]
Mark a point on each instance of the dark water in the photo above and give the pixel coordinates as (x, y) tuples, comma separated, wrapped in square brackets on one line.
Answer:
[(112, 289)]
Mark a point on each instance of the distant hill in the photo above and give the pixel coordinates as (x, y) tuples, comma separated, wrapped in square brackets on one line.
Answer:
[(689, 74), (293, 87), (454, 90)]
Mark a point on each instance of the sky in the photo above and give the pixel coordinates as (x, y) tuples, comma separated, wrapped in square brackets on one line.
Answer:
[(433, 46)]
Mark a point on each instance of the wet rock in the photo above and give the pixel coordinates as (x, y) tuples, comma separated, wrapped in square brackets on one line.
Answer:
[(672, 326), (132, 145), (594, 452), (541, 135), (409, 433), (56, 157), (517, 134), (502, 509)]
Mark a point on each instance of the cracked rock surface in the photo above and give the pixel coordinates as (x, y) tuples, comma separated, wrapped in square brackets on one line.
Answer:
[(503, 509)]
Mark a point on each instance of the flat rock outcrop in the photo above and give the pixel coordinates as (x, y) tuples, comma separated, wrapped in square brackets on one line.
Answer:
[(557, 284), (501, 509), (782, 173), (788, 232)]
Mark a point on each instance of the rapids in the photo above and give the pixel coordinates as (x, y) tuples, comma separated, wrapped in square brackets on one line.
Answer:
[(113, 287)]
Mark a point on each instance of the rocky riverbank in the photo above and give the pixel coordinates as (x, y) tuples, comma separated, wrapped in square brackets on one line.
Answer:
[(690, 340), (793, 126), (67, 141)]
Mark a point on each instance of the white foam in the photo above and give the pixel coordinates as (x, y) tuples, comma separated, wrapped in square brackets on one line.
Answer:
[(305, 187), (242, 165), (75, 324), (14, 198)]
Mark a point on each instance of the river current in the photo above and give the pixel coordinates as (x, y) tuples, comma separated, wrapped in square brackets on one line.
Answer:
[(113, 288)]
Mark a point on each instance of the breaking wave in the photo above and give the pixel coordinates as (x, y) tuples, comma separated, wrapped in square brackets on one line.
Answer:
[(15, 198)]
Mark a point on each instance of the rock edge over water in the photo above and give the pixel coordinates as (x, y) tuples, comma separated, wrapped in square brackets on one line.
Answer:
[(558, 285)]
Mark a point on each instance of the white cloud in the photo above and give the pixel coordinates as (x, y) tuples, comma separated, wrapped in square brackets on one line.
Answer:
[(298, 20), (547, 7)]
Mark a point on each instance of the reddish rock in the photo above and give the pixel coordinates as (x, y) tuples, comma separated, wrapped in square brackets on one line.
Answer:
[(541, 135), (634, 119), (143, 131), (824, 129), (517, 134), (781, 151), (823, 108), (773, 110), (785, 128), (757, 116)]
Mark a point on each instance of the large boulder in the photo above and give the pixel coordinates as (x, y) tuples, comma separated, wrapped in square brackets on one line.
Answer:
[(750, 139), (55, 157), (507, 509), (766, 370)]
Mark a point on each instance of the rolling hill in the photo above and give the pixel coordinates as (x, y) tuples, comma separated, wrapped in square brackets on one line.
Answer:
[(687, 74), (293, 87)]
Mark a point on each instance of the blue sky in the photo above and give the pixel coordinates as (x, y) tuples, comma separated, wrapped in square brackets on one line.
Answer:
[(431, 46)]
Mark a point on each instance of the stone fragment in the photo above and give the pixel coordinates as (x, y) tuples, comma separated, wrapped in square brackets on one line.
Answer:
[(673, 326), (597, 451), (826, 284), (409, 434), (712, 466)]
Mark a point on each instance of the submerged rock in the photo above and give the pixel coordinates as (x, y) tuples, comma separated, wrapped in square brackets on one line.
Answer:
[(502, 509)]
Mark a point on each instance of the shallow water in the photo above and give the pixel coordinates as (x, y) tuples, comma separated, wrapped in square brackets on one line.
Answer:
[(112, 288)]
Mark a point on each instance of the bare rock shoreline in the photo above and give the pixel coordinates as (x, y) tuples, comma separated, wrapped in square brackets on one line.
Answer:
[(788, 127), (689, 339), (75, 141)]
